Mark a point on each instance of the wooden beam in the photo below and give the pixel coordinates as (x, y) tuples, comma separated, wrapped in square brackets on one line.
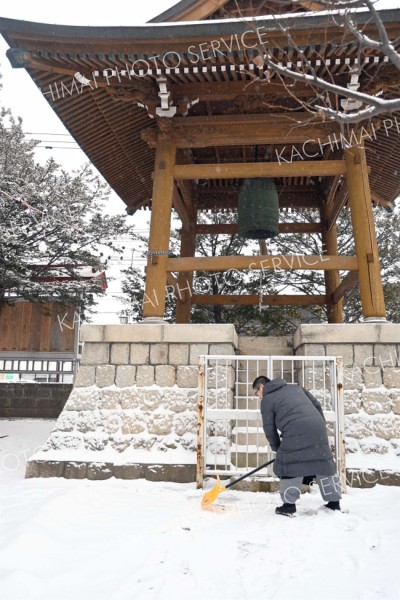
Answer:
[(337, 198), (372, 299), (160, 226), (332, 278), (223, 130), (250, 299), (226, 197), (225, 91), (231, 228), (271, 169), (180, 207), (288, 262), (348, 283)]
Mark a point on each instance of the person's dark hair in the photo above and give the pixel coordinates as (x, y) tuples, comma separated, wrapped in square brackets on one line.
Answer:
[(259, 380)]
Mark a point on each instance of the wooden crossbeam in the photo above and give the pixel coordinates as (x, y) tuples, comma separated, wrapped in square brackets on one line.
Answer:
[(221, 91), (270, 169), (347, 284), (252, 299), (231, 228), (223, 130), (337, 198), (288, 262)]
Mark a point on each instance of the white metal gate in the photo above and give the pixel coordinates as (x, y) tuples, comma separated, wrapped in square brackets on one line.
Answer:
[(231, 439)]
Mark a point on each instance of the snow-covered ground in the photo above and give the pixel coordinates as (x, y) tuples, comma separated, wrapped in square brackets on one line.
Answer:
[(137, 540)]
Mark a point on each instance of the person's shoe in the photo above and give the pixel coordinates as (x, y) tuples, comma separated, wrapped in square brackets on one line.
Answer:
[(333, 505), (288, 510)]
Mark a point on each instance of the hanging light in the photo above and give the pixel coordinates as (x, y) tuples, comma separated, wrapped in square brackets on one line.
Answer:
[(258, 209)]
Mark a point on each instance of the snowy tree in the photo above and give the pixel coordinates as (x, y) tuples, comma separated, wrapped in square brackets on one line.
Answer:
[(52, 225), (333, 99)]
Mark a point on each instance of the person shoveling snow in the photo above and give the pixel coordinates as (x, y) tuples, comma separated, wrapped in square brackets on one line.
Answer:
[(302, 448)]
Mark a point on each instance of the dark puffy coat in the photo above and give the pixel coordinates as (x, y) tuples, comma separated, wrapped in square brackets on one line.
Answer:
[(304, 448)]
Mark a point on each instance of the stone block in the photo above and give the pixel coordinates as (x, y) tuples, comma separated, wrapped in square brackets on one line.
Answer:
[(132, 423), (343, 350), (189, 441), (364, 355), (396, 405), (266, 346), (128, 471), (179, 400), (178, 354), (144, 375), (129, 398), (195, 350), (352, 401), (310, 350), (386, 355), (374, 446), (352, 333), (125, 376), (112, 422), (99, 471), (376, 401), (222, 349), (139, 354), (91, 333), (387, 427), (96, 441), (82, 399), (120, 442), (44, 468), (119, 354), (139, 332), (185, 422), (185, 473), (160, 423), (85, 376), (353, 378), (87, 420), (391, 377), (359, 426), (66, 421), (105, 375), (372, 377), (205, 333), (75, 470), (165, 376), (187, 377), (150, 399), (159, 354), (95, 354), (367, 479), (108, 399)]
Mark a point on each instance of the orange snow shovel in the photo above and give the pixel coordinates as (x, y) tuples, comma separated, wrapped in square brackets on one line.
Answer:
[(213, 494)]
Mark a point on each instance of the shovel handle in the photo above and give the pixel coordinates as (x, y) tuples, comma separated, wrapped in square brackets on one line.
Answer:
[(250, 473)]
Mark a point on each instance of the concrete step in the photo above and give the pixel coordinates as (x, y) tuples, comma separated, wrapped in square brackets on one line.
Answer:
[(251, 437)]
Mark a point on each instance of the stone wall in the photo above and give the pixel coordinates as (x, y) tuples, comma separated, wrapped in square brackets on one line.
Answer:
[(133, 409), (33, 400), (371, 358)]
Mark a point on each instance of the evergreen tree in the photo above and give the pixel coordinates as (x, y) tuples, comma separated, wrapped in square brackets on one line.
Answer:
[(52, 224)]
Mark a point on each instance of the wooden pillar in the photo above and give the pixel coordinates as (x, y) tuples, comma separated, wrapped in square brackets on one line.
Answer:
[(160, 227), (185, 280), (332, 278), (373, 304)]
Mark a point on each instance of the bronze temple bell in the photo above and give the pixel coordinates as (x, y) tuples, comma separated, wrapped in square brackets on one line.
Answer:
[(258, 209)]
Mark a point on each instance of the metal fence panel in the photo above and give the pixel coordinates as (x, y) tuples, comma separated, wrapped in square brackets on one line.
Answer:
[(231, 438)]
